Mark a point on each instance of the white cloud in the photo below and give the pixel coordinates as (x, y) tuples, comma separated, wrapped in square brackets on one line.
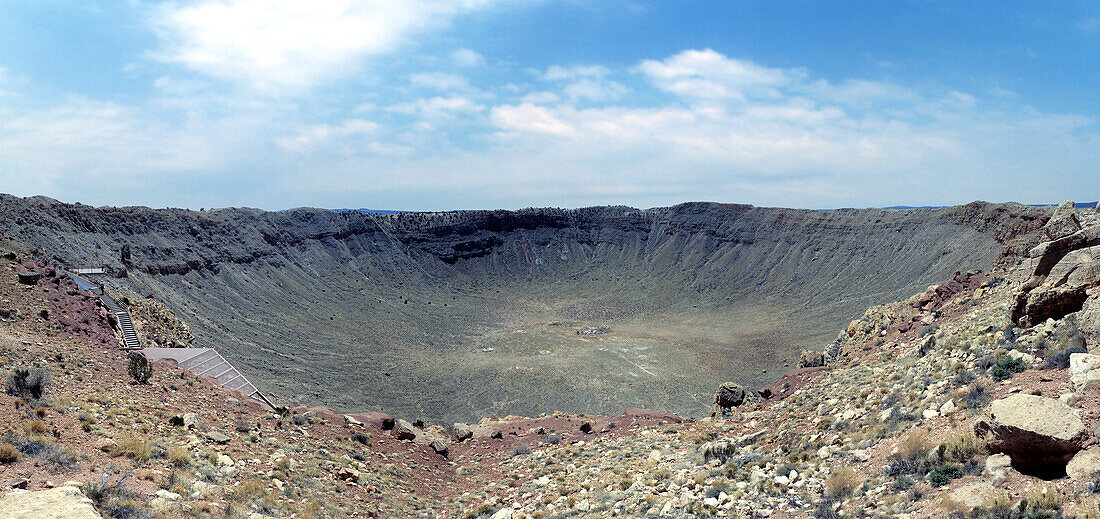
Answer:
[(318, 135), (467, 58), (289, 46), (529, 118), (437, 108), (439, 81), (558, 73), (541, 97), (706, 74), (599, 90)]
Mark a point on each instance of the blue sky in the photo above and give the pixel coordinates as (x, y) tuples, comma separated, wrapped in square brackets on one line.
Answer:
[(436, 105)]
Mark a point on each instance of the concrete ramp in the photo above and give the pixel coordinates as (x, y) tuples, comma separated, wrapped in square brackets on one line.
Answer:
[(208, 362)]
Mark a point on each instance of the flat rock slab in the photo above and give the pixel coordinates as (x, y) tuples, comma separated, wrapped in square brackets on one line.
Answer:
[(1085, 464), (55, 503), (1040, 434)]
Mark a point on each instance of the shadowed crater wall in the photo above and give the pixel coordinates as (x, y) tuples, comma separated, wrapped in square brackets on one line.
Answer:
[(454, 316)]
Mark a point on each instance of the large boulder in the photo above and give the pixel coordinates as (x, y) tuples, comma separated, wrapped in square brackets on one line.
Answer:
[(811, 359), (66, 502), (462, 432), (729, 395), (1085, 464), (404, 430), (1063, 223), (1040, 434)]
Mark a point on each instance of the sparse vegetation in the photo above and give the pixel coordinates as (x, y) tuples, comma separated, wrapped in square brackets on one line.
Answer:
[(139, 368), (29, 382)]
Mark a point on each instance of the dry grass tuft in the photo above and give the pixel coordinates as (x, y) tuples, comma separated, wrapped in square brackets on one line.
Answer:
[(842, 483), (137, 448)]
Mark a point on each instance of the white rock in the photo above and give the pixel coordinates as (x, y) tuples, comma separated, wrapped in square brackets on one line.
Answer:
[(930, 413), (781, 480), (503, 513), (948, 407), (170, 496), (710, 501)]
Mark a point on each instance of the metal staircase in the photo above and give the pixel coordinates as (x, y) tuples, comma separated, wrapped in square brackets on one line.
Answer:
[(199, 361)]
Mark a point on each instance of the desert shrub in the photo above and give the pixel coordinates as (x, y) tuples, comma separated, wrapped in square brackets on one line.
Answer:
[(976, 395), (249, 490), (1006, 367), (8, 453), (963, 377), (962, 447), (46, 452), (364, 439), (521, 450), (1040, 499), (841, 484), (1060, 360), (36, 428), (925, 331), (28, 382), (179, 456), (139, 368), (943, 475), (552, 439), (824, 510), (135, 447)]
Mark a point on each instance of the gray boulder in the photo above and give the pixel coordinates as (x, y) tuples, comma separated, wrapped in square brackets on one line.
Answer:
[(462, 432), (1063, 223), (729, 395), (439, 445), (404, 430), (1041, 435), (811, 359)]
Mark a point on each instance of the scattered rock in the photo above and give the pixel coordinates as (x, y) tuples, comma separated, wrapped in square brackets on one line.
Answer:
[(218, 437), (439, 445), (1040, 434), (404, 430), (373, 419), (717, 450), (190, 420), (106, 444), (462, 432), (27, 277), (18, 483), (972, 495)]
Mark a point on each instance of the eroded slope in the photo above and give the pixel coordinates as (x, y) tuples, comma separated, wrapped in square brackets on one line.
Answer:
[(398, 312)]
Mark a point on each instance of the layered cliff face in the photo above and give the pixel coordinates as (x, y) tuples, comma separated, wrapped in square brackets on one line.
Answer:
[(455, 316)]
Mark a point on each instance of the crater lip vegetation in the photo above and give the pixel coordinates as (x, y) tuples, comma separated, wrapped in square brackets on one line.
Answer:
[(461, 315)]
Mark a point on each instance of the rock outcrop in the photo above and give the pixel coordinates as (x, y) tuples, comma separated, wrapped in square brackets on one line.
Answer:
[(1040, 434), (66, 502), (1059, 274)]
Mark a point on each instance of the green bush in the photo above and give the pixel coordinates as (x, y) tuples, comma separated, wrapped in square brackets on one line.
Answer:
[(943, 475), (1006, 367), (139, 368)]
